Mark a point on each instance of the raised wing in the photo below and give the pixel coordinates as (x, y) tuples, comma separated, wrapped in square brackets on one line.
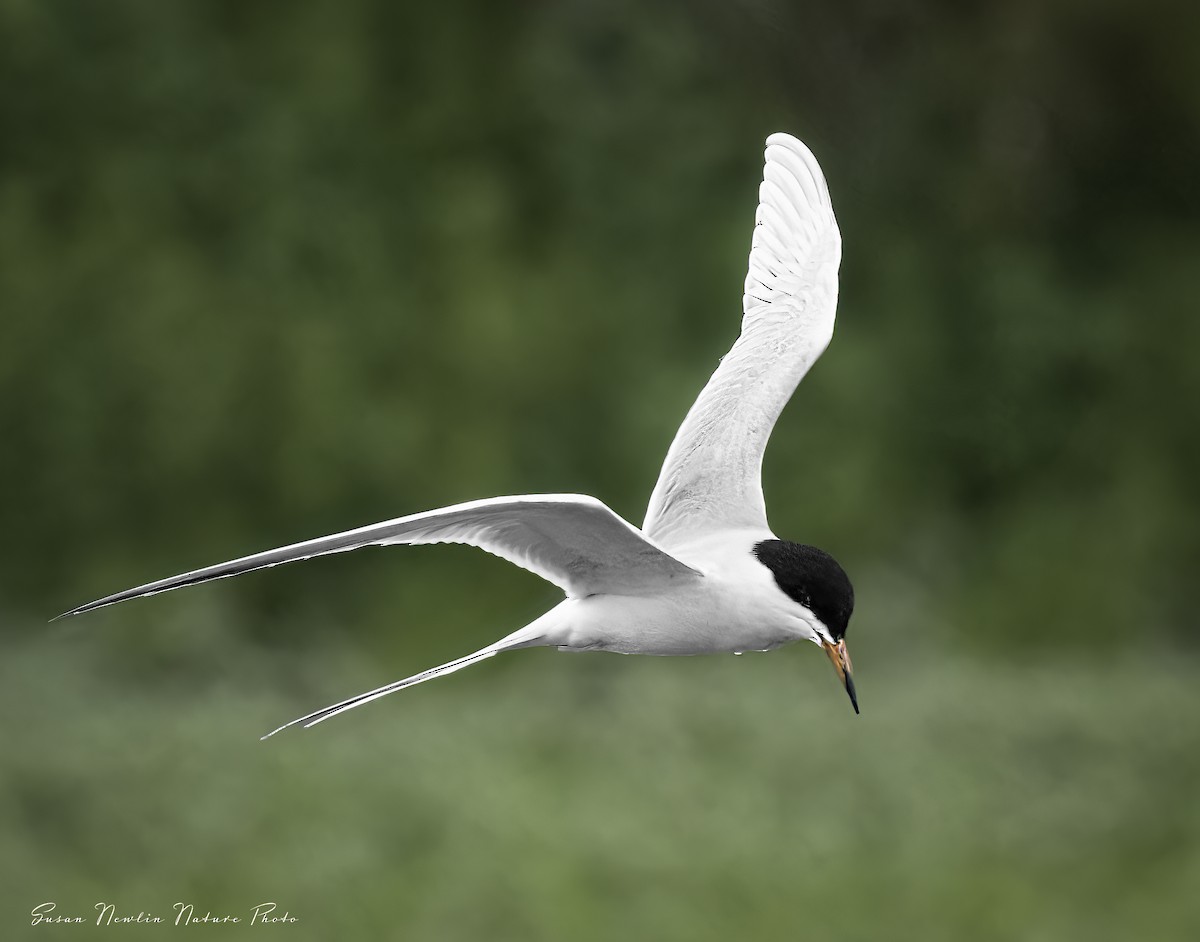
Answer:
[(712, 478), (572, 540)]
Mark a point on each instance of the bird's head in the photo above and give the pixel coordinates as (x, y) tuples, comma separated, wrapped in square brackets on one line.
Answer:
[(814, 581)]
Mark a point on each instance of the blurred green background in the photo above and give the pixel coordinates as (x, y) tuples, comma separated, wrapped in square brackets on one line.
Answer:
[(269, 271)]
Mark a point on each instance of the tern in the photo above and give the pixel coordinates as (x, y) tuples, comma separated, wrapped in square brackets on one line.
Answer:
[(704, 574)]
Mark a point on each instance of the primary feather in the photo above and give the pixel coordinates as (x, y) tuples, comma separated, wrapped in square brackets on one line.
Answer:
[(571, 540), (712, 477)]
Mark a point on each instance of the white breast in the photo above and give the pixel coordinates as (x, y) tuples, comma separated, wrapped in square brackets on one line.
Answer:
[(735, 607)]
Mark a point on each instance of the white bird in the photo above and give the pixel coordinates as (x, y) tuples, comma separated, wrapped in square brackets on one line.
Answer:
[(704, 574)]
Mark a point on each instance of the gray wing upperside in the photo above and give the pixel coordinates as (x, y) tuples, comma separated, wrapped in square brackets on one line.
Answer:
[(571, 540)]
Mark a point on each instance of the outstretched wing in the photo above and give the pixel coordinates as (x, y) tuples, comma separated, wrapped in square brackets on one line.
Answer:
[(712, 476), (572, 540)]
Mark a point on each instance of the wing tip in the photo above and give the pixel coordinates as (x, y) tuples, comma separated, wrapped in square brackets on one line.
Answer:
[(790, 142), (78, 610), (127, 595), (793, 147)]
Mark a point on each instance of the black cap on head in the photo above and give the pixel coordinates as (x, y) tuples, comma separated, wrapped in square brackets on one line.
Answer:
[(812, 578)]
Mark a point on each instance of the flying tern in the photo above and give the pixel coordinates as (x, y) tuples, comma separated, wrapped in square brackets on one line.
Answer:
[(705, 574)]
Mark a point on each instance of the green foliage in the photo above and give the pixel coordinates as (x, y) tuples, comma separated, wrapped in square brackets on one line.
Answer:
[(265, 279), (268, 272), (552, 797)]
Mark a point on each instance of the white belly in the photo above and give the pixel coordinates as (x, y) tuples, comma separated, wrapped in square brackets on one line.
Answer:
[(736, 607)]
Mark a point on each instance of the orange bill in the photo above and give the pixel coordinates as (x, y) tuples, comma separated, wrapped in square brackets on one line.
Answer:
[(845, 670)]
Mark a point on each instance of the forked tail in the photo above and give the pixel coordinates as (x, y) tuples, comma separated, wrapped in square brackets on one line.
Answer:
[(529, 636)]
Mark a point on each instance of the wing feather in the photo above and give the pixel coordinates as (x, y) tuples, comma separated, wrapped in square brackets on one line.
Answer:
[(712, 477), (571, 540)]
